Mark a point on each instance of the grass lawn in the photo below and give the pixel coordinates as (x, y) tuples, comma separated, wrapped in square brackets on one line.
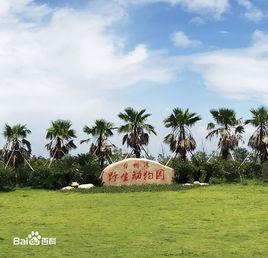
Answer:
[(229, 220)]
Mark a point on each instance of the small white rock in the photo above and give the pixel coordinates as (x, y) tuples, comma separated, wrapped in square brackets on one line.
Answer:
[(203, 184), (187, 184), (74, 184), (197, 183), (67, 188), (86, 186)]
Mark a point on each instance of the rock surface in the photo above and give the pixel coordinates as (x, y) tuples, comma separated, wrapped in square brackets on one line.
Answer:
[(204, 184), (195, 183), (187, 184), (74, 184), (85, 186), (137, 172), (67, 188)]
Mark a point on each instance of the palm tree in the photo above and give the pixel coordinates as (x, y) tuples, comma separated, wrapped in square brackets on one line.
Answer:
[(180, 140), (101, 147), (17, 149), (228, 128), (61, 137), (259, 140), (135, 129)]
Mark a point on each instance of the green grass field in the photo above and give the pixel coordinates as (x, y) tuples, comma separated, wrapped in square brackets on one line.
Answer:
[(215, 221)]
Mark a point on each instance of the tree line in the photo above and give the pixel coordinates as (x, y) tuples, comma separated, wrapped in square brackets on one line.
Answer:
[(136, 131)]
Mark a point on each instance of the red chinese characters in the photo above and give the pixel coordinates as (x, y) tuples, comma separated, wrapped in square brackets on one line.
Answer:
[(112, 176), (125, 165), (136, 165), (160, 174), (124, 177), (146, 164), (136, 175), (141, 175), (148, 175)]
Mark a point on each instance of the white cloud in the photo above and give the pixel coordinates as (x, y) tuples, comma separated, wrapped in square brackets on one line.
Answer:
[(13, 10), (237, 73), (214, 8), (7, 6), (180, 39), (252, 13), (66, 66), (197, 21), (223, 32)]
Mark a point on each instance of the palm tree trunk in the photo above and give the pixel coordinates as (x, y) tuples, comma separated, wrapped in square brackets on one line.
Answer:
[(99, 152), (263, 149), (184, 157), (224, 154), (183, 152), (102, 162), (137, 153)]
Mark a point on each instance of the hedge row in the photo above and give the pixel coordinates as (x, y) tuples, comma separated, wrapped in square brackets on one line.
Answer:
[(215, 171), (82, 168), (85, 169)]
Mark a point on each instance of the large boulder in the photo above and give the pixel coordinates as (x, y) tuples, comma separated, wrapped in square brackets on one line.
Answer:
[(137, 172)]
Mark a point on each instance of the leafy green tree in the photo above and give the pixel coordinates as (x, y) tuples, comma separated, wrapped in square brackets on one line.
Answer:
[(241, 154), (259, 140), (180, 140), (118, 154), (228, 128), (101, 147), (136, 129), (61, 137), (199, 158), (17, 148)]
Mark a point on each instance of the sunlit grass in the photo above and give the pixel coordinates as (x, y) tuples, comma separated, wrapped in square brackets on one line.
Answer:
[(215, 221)]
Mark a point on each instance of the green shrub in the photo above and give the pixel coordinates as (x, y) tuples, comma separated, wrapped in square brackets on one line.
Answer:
[(82, 168), (209, 170), (200, 170), (89, 168), (7, 177), (39, 178), (251, 170), (62, 172), (217, 171), (184, 171), (265, 171), (230, 170), (199, 158), (23, 174), (240, 154), (216, 180)]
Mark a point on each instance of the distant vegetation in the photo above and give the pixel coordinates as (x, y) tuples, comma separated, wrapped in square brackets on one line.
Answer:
[(228, 163)]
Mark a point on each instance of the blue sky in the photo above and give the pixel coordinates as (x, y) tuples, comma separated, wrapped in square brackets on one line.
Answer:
[(83, 60)]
